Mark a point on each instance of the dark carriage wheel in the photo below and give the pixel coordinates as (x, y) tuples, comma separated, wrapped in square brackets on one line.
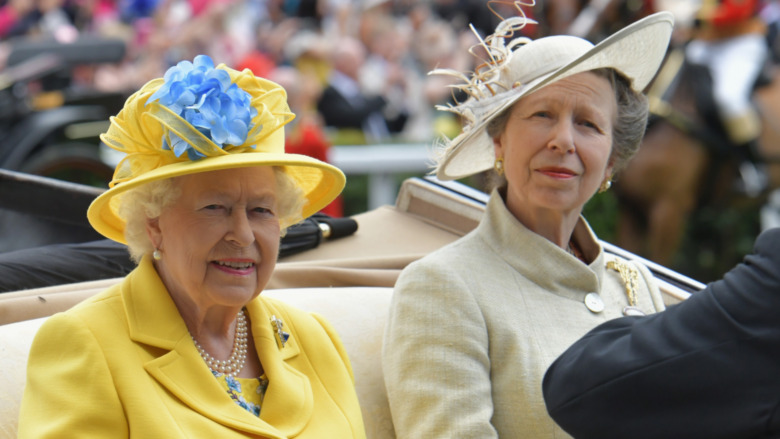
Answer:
[(74, 162)]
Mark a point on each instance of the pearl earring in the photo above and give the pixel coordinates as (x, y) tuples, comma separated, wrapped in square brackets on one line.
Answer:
[(157, 255), (605, 185)]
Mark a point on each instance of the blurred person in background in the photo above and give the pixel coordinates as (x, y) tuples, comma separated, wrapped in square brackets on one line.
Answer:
[(16, 18), (305, 134), (558, 15), (461, 13), (437, 44), (309, 53), (56, 21), (729, 38), (39, 18), (388, 70), (770, 13), (355, 116), (339, 18)]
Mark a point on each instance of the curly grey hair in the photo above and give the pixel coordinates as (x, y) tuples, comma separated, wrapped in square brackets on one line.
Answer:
[(150, 199), (629, 128)]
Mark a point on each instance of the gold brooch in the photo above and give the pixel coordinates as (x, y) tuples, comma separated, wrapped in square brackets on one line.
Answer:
[(281, 335), (630, 279)]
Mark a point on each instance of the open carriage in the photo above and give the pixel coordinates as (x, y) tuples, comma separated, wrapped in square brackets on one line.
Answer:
[(347, 280)]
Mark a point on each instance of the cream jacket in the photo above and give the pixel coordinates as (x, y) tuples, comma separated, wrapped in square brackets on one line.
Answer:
[(474, 325), (122, 364)]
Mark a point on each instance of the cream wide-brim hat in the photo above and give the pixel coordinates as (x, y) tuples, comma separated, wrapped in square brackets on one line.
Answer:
[(139, 128), (635, 51)]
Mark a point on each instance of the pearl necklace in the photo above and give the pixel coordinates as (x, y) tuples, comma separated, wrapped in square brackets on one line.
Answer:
[(233, 365)]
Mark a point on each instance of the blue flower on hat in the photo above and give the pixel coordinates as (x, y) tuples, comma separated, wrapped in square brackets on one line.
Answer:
[(208, 100)]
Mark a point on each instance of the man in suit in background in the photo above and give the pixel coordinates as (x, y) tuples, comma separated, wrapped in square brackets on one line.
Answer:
[(344, 105)]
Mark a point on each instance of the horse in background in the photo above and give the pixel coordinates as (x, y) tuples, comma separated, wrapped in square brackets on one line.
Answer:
[(686, 167)]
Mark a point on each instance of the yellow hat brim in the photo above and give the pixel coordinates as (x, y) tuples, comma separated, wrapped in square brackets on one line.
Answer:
[(320, 182)]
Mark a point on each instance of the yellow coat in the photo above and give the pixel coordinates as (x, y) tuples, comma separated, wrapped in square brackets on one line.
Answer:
[(122, 364)]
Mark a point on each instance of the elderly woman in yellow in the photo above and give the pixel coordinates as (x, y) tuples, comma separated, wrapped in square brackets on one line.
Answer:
[(474, 325), (186, 346)]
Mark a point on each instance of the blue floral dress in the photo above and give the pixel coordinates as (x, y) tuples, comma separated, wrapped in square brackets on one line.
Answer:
[(246, 392)]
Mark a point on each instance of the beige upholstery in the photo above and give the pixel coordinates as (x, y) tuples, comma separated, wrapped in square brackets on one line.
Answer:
[(41, 302), (358, 314)]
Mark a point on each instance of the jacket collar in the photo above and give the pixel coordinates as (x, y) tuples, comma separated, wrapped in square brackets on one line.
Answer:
[(153, 319), (513, 242)]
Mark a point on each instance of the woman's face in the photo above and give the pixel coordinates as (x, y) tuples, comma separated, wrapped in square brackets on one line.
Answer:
[(219, 241), (556, 146)]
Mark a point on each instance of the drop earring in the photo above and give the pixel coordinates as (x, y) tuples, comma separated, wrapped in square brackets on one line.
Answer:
[(156, 255), (498, 165)]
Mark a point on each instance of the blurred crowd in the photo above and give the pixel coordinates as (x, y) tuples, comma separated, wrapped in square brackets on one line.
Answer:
[(356, 70)]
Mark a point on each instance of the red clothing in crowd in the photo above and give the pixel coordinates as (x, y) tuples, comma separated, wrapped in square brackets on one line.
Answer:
[(729, 12)]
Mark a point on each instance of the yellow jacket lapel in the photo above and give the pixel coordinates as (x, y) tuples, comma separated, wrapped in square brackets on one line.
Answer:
[(289, 401)]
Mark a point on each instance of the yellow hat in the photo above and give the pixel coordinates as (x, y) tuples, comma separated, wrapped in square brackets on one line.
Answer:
[(199, 118)]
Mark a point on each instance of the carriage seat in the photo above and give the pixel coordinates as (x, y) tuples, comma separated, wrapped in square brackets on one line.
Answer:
[(358, 314)]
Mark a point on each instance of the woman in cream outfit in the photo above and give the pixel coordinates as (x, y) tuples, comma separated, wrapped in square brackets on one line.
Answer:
[(474, 325), (186, 346)]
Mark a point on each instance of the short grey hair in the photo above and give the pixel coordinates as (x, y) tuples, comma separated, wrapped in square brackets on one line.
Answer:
[(150, 199), (630, 124)]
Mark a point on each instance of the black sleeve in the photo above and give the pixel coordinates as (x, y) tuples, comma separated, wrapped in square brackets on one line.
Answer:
[(706, 368)]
